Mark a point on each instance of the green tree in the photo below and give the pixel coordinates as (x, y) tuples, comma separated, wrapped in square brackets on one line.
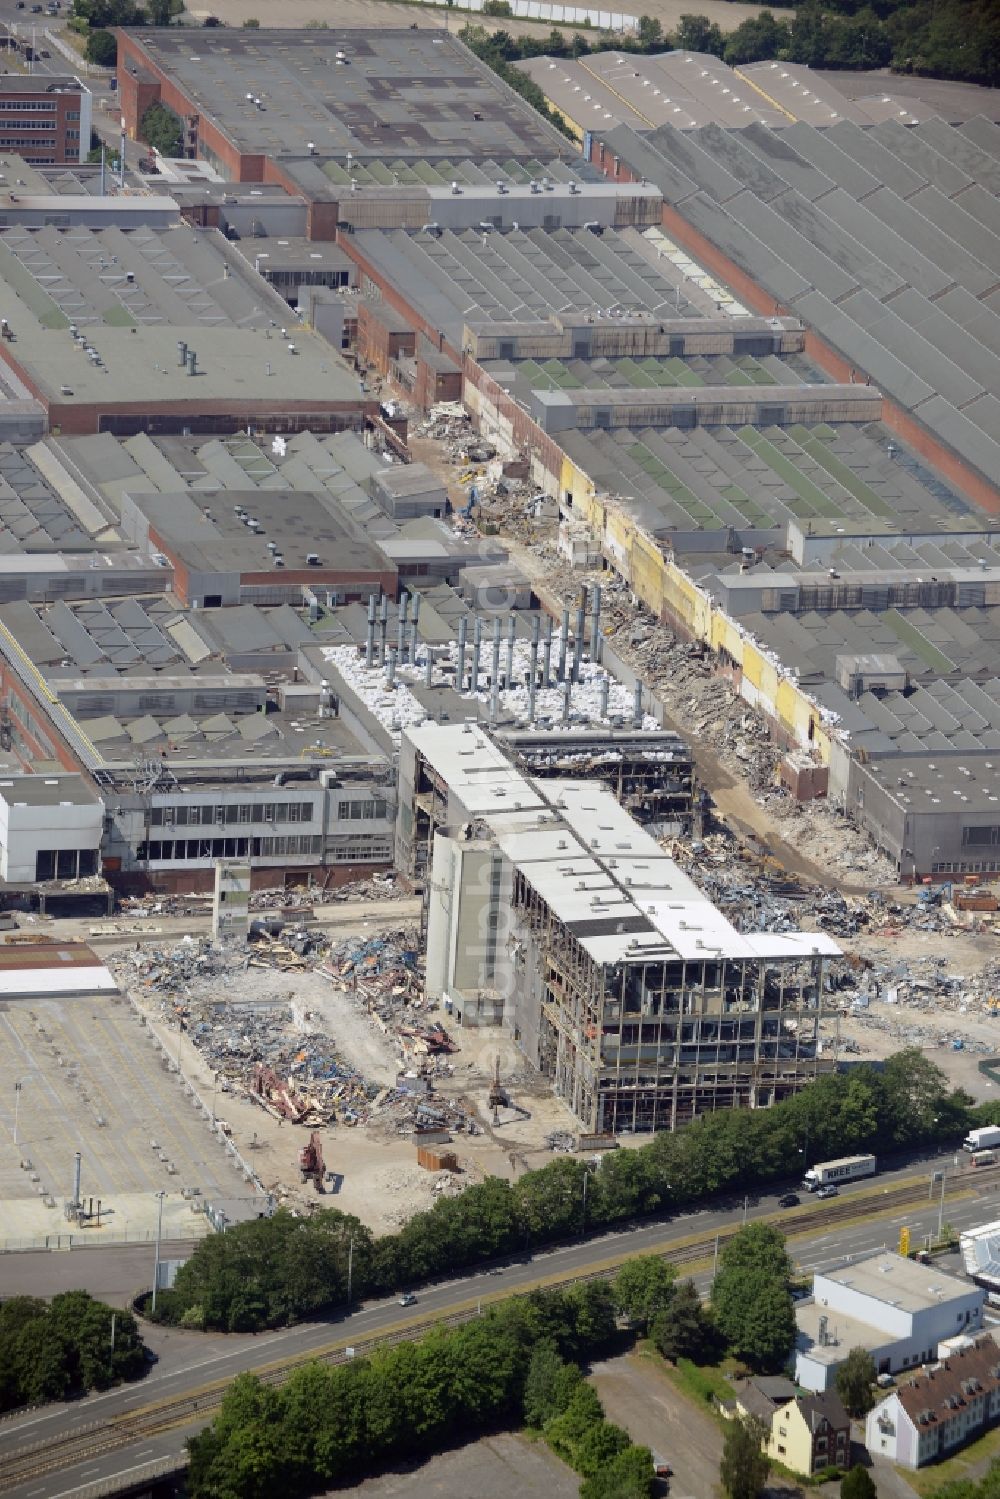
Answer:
[(251, 24), (916, 1099), (550, 1384), (592, 1312), (650, 34), (745, 1465), (756, 1317), (161, 129), (564, 1433), (858, 1484), (160, 11), (599, 1446), (682, 1329), (759, 38), (757, 1246), (643, 1288), (106, 13), (699, 34), (628, 1476), (101, 48), (751, 1302), (855, 1379)]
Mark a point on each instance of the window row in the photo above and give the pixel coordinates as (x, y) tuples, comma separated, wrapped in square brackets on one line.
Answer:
[(188, 815), (191, 849), (358, 811)]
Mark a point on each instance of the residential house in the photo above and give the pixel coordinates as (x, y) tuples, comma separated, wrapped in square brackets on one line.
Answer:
[(805, 1432), (938, 1412)]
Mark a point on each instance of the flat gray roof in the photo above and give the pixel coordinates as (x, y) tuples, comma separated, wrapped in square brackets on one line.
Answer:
[(899, 1281), (46, 791), (416, 93), (132, 296), (39, 83), (206, 532)]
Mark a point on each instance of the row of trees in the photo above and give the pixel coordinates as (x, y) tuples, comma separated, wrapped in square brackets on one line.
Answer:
[(941, 38), (53, 1350), (282, 1270), (517, 1364)]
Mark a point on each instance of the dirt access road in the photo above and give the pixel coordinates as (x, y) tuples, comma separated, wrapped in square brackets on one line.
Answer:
[(637, 1394)]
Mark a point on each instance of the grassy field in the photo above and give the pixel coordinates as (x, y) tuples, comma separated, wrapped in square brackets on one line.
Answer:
[(972, 1462)]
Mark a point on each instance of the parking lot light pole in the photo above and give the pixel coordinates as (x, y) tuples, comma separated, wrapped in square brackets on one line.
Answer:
[(156, 1261)]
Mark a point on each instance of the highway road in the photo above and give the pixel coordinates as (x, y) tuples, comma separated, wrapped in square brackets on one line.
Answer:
[(191, 1364)]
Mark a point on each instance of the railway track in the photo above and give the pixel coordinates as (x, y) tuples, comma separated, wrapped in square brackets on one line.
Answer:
[(199, 1406)]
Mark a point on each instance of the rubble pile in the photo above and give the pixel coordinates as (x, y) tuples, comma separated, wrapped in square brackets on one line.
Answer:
[(903, 997), (270, 1052), (383, 974), (761, 903), (287, 898), (449, 423)]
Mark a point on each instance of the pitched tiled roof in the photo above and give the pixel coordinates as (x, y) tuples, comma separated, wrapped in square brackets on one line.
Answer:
[(936, 1395), (826, 1408)]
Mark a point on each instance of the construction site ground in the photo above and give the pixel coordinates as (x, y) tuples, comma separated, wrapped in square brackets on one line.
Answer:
[(374, 1166), (947, 987)]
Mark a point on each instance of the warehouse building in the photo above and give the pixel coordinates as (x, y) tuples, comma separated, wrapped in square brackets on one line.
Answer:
[(257, 547), (898, 1310), (689, 90), (882, 238), (247, 101), (207, 736), (162, 329), (549, 906)]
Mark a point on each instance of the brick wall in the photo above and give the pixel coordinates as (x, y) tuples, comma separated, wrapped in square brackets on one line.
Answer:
[(35, 739), (380, 338)]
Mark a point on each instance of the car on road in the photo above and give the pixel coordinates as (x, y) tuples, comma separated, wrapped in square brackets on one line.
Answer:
[(407, 1299), (661, 1468), (36, 10), (790, 1200), (828, 1191)]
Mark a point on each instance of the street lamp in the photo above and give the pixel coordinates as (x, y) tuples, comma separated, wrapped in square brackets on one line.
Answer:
[(156, 1261), (17, 1099)]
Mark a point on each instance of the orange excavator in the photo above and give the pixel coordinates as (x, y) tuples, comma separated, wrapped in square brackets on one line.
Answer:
[(312, 1167)]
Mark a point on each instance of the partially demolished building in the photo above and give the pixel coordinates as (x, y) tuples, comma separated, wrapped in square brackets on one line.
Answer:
[(549, 907)]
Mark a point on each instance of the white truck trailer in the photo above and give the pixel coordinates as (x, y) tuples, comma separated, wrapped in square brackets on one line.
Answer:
[(832, 1173), (986, 1138)]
